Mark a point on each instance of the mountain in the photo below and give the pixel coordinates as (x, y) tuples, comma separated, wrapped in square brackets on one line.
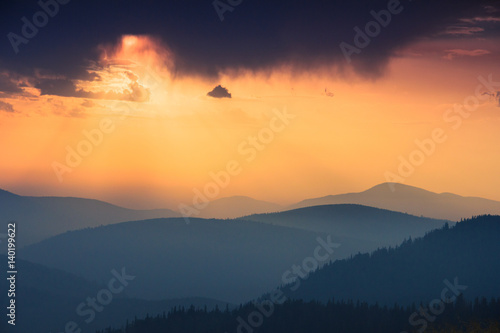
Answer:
[(412, 200), (41, 217), (47, 299), (467, 256), (231, 260), (223, 259), (380, 226), (236, 206)]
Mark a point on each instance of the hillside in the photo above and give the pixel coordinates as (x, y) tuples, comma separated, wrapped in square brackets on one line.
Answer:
[(224, 259), (381, 226), (231, 260), (47, 299), (42, 217), (415, 271)]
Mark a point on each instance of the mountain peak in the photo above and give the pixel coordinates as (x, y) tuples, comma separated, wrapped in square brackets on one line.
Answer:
[(395, 187), (6, 194)]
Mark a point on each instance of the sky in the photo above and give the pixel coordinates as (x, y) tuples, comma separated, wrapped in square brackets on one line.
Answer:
[(146, 103)]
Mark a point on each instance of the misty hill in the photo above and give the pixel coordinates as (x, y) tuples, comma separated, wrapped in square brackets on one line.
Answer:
[(380, 226), (236, 206), (223, 259), (412, 200), (415, 271), (231, 260), (47, 299), (42, 217)]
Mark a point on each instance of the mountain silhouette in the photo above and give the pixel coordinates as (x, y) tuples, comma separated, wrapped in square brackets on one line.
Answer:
[(412, 200), (43, 292), (380, 226), (230, 260), (223, 259), (415, 271), (42, 217)]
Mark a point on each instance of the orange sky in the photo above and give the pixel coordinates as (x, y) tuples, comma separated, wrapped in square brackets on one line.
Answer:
[(344, 133)]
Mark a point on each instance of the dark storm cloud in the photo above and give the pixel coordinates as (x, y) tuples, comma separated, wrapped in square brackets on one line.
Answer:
[(219, 92), (8, 84), (67, 88), (255, 35)]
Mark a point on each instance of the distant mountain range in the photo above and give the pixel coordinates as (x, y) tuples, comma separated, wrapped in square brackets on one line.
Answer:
[(391, 196), (231, 260), (42, 217), (411, 200), (415, 271), (47, 299)]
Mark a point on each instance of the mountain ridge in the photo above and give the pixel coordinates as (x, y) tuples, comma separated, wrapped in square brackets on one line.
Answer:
[(414, 271), (412, 200)]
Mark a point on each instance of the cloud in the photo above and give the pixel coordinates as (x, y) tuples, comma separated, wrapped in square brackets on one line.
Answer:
[(6, 107), (219, 92), (9, 83), (474, 25), (451, 54), (462, 30), (255, 36), (481, 19), (88, 103), (76, 113), (130, 89), (328, 93), (124, 70), (494, 96)]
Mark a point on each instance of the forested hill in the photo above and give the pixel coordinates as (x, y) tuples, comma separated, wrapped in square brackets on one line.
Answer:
[(340, 317), (414, 271)]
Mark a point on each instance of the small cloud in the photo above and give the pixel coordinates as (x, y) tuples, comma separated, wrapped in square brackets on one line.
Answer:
[(76, 113), (494, 96), (6, 107), (88, 103), (463, 31), (450, 54), (469, 26), (490, 9), (480, 19), (328, 93), (219, 92)]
